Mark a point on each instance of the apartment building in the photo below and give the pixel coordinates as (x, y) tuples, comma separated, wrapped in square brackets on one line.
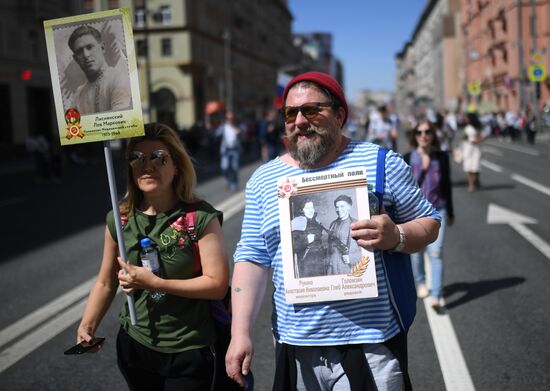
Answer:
[(503, 39)]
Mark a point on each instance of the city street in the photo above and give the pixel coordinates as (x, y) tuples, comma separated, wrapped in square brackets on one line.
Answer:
[(493, 335)]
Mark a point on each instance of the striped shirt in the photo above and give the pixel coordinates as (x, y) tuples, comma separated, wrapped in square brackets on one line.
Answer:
[(336, 322)]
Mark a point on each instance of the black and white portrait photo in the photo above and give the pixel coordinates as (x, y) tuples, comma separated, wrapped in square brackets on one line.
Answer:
[(321, 233), (92, 65), (343, 250)]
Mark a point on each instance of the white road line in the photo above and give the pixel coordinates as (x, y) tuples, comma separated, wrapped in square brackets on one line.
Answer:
[(232, 205), (40, 336), (531, 183), (64, 312), (533, 238), (491, 166), (43, 313), (491, 150), (516, 148), (451, 360)]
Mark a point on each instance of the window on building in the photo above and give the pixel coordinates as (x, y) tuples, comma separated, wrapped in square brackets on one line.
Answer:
[(166, 45), (141, 47), (165, 12), (139, 17)]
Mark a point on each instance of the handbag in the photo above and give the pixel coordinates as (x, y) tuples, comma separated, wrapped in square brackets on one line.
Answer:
[(220, 310)]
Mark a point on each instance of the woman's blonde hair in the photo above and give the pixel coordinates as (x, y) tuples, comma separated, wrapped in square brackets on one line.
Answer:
[(185, 179)]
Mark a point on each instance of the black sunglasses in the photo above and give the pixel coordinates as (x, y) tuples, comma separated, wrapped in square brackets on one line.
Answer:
[(308, 110), (159, 158)]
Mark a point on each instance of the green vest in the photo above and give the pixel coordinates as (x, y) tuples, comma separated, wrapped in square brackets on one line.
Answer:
[(174, 323)]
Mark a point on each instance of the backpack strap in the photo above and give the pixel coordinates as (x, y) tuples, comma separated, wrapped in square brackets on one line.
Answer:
[(380, 176), (191, 221), (219, 309)]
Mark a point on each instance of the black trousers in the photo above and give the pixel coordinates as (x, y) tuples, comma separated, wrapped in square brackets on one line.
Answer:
[(148, 370)]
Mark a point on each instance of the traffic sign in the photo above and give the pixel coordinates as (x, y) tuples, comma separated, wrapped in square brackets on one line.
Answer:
[(537, 73), (474, 88)]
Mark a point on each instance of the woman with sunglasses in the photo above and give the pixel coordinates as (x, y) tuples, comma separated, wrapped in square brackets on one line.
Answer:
[(430, 166), (170, 345)]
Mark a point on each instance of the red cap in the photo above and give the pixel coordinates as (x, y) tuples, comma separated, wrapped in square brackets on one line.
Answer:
[(325, 81)]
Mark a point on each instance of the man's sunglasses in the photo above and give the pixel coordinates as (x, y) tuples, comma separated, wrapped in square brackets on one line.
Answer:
[(159, 158), (308, 110)]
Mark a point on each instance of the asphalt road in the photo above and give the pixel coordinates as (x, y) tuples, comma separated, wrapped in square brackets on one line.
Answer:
[(496, 281)]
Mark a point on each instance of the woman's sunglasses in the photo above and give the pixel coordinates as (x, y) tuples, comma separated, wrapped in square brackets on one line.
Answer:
[(423, 132), (308, 110), (159, 158)]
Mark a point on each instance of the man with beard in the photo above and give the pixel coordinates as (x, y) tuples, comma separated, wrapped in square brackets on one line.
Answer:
[(346, 344), (343, 251), (106, 89)]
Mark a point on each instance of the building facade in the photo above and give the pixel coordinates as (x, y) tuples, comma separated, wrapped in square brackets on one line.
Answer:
[(505, 41), (191, 52), (26, 102), (429, 65)]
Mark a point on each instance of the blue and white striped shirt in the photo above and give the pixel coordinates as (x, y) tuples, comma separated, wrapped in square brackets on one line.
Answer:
[(336, 322)]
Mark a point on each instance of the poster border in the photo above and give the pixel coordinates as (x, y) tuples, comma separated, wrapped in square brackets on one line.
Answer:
[(361, 281), (74, 128)]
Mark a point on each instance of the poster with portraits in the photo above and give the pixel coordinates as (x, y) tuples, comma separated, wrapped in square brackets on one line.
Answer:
[(94, 76), (321, 261)]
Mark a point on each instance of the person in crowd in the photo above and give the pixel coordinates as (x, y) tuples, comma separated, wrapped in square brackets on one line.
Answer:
[(529, 124), (269, 135), (431, 169), (448, 130), (106, 88), (471, 152), (343, 251), (511, 129), (229, 150), (308, 240), (316, 341), (381, 129), (170, 345)]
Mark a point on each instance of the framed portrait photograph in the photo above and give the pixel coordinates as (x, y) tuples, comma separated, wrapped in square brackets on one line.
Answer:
[(321, 261), (94, 76)]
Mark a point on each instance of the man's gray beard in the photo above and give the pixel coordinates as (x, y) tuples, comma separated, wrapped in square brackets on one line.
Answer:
[(311, 155)]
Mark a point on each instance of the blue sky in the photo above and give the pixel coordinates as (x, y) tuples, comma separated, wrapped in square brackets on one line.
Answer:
[(366, 35)]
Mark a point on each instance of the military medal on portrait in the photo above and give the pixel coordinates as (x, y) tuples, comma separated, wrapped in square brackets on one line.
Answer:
[(321, 260)]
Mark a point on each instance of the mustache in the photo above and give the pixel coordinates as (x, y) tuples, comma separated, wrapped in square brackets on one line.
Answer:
[(305, 132)]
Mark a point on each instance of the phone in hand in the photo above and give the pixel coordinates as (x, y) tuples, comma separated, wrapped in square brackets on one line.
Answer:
[(84, 346)]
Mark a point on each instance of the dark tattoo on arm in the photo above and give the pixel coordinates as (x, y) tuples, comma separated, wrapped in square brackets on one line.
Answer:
[(237, 289)]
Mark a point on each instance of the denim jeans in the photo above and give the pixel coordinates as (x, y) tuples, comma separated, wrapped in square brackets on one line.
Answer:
[(230, 166), (435, 255)]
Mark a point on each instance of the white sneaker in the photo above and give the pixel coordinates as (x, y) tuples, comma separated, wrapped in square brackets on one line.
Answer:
[(422, 291)]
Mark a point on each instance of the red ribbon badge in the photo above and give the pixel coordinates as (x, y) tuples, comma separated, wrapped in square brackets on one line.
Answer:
[(72, 119)]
